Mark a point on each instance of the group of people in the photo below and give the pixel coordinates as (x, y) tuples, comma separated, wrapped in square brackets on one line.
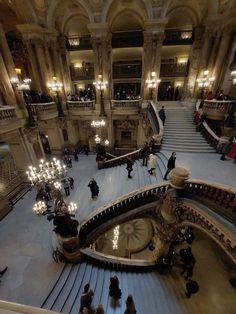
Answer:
[(114, 292), (38, 97), (82, 95), (172, 93), (123, 95)]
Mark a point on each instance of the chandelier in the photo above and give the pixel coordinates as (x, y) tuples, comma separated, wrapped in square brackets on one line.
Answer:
[(54, 85), (233, 75), (116, 238), (47, 172), (74, 41), (153, 82), (186, 35), (205, 80), (98, 123), (23, 85)]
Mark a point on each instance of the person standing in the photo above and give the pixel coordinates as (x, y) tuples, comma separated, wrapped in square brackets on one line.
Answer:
[(191, 287), (99, 309), (86, 298), (152, 163), (162, 115), (226, 149), (130, 306), (66, 187), (177, 93), (145, 154), (129, 167), (71, 182), (170, 164), (93, 188)]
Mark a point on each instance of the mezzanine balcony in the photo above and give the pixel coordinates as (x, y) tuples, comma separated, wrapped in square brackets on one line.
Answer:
[(85, 72), (76, 108), (216, 109), (174, 69), (44, 111), (8, 119)]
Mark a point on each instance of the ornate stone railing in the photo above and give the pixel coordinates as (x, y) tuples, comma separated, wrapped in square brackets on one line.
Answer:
[(209, 135), (126, 104), (44, 111), (216, 109), (220, 199), (109, 261), (156, 122), (7, 113), (76, 107), (10, 307), (118, 160)]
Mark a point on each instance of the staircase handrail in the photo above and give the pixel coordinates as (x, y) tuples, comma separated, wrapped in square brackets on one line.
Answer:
[(119, 160), (157, 120), (21, 308)]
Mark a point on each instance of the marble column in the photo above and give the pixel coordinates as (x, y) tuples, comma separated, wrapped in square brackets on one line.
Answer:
[(6, 54), (69, 88), (206, 48), (221, 57), (146, 64), (38, 46)]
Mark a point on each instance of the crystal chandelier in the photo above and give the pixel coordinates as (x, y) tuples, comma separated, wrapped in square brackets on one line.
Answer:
[(74, 41), (47, 172), (54, 85), (98, 123), (23, 85), (205, 80), (116, 238)]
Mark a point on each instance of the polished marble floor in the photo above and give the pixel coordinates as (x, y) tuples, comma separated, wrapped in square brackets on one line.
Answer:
[(25, 245)]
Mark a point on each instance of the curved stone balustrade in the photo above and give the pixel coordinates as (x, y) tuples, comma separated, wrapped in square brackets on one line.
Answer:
[(10, 307), (144, 202), (216, 109), (109, 261), (78, 107), (118, 160), (126, 104), (209, 135), (45, 111), (7, 113)]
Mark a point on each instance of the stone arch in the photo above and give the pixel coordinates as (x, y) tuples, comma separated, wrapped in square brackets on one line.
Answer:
[(71, 18), (110, 4), (190, 12), (55, 3), (139, 19)]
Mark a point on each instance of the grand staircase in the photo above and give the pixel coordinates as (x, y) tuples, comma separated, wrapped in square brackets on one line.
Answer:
[(180, 133)]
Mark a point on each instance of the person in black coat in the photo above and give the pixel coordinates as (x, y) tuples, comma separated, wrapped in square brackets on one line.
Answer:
[(129, 167), (191, 287), (145, 154), (93, 188), (170, 164), (162, 114)]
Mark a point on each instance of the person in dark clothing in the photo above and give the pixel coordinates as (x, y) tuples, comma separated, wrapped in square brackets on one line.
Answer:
[(191, 287), (177, 93), (170, 164), (76, 155), (2, 272), (145, 154), (93, 188), (114, 290), (86, 298), (71, 182), (130, 306), (162, 114), (86, 150), (129, 167), (66, 187), (226, 148)]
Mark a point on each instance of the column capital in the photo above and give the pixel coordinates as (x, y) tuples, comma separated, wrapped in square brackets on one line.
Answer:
[(98, 29), (156, 25)]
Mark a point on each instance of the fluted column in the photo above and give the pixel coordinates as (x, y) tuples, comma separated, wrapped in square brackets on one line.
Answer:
[(146, 63), (6, 54), (65, 65), (38, 46)]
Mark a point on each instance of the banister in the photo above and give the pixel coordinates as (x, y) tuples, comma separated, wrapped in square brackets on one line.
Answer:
[(21, 308)]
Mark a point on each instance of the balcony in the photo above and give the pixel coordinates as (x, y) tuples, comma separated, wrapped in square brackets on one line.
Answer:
[(9, 120), (174, 69), (134, 104), (77, 108), (216, 109), (123, 70), (178, 37), (74, 43), (127, 39), (84, 73), (44, 111)]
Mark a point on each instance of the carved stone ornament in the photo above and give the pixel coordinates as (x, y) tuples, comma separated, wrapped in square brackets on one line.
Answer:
[(31, 134), (178, 177), (126, 124), (167, 206)]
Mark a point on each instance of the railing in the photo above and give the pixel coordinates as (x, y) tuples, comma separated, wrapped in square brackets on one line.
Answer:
[(127, 70), (135, 103), (209, 135), (44, 111), (119, 160), (76, 107), (7, 113), (109, 261), (127, 39), (155, 121), (83, 73), (216, 109), (174, 69), (220, 199), (178, 37), (10, 307)]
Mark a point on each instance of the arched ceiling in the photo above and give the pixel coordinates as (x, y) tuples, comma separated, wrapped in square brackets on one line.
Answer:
[(126, 21)]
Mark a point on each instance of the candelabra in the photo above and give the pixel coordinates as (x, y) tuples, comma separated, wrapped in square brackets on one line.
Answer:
[(101, 85), (56, 87), (152, 83), (205, 81), (50, 174), (233, 75), (23, 85), (99, 124)]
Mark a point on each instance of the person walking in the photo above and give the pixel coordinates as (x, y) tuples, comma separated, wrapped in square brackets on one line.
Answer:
[(130, 306), (152, 163), (86, 298), (170, 164), (66, 187), (71, 182), (129, 167), (145, 154), (114, 290), (162, 115), (191, 287), (93, 188), (226, 149), (100, 309)]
